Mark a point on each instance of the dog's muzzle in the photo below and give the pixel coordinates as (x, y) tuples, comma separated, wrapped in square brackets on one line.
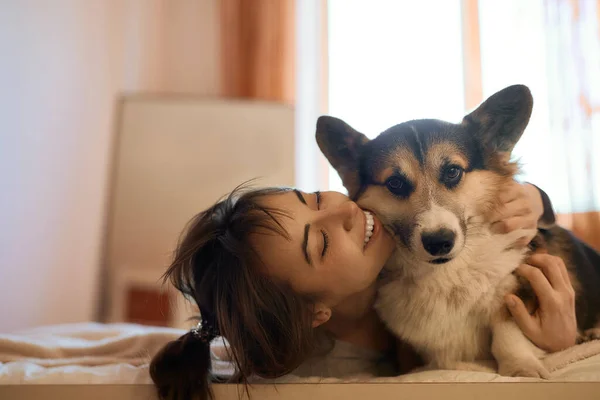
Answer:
[(438, 243)]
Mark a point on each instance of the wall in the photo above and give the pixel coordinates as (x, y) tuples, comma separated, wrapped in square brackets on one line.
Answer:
[(191, 55), (63, 64)]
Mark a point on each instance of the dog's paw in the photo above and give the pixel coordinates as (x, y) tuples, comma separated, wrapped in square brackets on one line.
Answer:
[(588, 335), (525, 367)]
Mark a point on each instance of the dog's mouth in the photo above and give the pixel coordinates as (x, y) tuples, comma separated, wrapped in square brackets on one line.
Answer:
[(441, 260)]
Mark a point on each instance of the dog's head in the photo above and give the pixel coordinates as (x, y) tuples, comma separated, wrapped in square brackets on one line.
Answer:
[(427, 179)]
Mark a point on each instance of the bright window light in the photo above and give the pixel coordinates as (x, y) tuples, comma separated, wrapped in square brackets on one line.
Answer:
[(394, 60)]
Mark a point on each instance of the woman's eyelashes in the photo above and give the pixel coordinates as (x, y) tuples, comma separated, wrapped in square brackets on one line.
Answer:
[(325, 243), (323, 233)]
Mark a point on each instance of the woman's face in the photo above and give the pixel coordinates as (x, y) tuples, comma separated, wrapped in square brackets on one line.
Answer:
[(335, 250)]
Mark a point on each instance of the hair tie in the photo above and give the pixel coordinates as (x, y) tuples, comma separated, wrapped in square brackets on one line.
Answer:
[(204, 332)]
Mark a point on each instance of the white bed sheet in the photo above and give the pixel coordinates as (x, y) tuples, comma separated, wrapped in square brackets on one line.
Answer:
[(119, 354)]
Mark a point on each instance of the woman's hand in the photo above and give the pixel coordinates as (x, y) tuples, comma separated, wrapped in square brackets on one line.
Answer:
[(522, 207), (553, 326)]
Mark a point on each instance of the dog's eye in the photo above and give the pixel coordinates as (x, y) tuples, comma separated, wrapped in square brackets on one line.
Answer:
[(398, 186), (452, 175)]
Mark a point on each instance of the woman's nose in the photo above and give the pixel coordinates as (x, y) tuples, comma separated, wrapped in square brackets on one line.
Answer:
[(346, 213)]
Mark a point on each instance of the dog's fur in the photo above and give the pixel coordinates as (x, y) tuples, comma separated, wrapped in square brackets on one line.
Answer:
[(448, 301)]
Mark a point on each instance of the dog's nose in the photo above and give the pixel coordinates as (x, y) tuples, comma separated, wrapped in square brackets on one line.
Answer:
[(438, 243)]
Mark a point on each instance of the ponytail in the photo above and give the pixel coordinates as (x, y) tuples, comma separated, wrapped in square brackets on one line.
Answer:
[(182, 369)]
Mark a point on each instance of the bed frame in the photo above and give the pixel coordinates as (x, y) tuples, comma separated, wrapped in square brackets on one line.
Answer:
[(348, 391)]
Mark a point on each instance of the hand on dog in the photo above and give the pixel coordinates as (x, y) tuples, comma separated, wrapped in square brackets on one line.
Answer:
[(522, 207), (553, 326)]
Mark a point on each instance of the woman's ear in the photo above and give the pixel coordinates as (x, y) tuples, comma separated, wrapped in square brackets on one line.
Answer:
[(321, 314)]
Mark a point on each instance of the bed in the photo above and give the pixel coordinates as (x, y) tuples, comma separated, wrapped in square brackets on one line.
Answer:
[(93, 360), (173, 157)]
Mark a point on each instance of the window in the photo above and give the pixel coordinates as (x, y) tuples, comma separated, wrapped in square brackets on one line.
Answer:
[(392, 61), (517, 54)]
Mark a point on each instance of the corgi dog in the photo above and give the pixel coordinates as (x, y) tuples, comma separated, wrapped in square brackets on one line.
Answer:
[(433, 185)]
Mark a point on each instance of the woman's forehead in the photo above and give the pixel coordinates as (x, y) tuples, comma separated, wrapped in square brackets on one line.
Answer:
[(287, 201), (290, 206), (288, 213), (275, 248)]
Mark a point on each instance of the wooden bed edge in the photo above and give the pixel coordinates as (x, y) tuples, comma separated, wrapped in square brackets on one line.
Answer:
[(349, 391)]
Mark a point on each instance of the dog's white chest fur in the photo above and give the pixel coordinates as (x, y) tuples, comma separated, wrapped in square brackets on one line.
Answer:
[(446, 311)]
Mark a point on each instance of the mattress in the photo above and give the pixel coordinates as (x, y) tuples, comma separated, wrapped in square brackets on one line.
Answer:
[(111, 360)]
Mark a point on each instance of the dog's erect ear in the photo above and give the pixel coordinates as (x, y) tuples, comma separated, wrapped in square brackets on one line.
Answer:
[(500, 121), (341, 145)]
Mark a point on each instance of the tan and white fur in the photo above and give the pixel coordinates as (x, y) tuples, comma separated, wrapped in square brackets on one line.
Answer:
[(433, 185)]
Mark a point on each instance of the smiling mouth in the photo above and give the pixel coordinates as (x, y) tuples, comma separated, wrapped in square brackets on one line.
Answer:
[(440, 260), (369, 227)]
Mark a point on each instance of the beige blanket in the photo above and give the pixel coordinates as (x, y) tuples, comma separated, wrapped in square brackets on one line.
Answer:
[(120, 353), (89, 344), (88, 353)]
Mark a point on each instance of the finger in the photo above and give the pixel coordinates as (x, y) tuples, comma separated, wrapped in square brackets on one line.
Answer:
[(514, 208), (526, 322), (512, 192), (522, 242), (565, 273), (539, 282), (551, 266), (534, 198), (513, 223)]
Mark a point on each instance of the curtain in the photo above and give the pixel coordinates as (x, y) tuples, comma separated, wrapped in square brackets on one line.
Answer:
[(258, 49), (573, 65)]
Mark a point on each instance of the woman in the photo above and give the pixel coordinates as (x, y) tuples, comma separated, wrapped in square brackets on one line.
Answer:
[(287, 279)]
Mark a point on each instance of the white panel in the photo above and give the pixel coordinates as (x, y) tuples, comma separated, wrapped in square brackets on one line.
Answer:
[(176, 157)]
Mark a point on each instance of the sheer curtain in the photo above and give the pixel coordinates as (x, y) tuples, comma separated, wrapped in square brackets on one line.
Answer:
[(394, 61), (573, 58), (553, 46)]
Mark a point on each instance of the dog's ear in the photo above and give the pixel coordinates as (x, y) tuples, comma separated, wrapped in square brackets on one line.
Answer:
[(341, 145), (500, 121)]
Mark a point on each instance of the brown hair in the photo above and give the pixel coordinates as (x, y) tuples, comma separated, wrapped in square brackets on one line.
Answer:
[(267, 325)]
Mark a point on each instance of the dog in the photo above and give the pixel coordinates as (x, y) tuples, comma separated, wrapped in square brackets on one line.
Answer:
[(432, 184)]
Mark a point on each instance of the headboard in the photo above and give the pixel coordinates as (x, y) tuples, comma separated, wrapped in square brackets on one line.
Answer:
[(173, 158)]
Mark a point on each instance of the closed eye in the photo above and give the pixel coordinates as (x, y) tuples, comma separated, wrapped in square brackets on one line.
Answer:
[(325, 243), (325, 236)]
